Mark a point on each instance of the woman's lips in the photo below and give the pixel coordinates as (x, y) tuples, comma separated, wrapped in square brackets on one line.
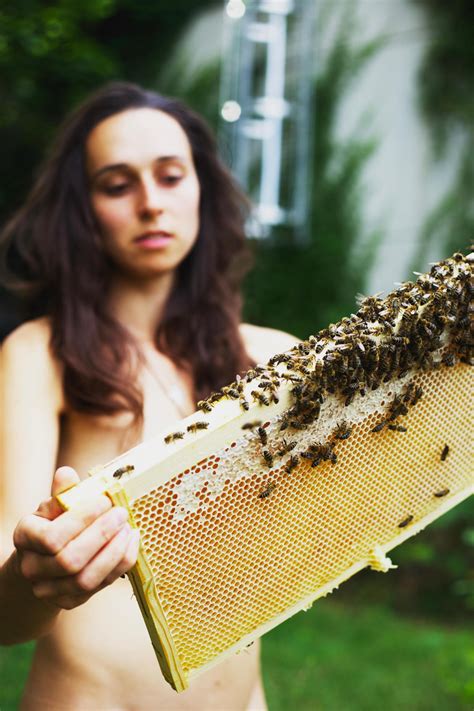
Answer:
[(153, 240)]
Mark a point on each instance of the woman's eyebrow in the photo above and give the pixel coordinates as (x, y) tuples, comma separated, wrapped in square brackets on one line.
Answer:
[(126, 166)]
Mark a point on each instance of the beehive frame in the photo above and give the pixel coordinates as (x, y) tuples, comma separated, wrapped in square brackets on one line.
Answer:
[(307, 469)]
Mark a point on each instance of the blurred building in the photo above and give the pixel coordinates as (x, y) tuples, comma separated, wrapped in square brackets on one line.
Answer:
[(403, 182)]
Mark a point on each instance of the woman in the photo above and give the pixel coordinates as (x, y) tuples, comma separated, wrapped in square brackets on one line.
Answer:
[(130, 247)]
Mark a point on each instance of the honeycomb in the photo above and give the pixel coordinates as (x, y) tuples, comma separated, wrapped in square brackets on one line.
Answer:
[(301, 472), (229, 562)]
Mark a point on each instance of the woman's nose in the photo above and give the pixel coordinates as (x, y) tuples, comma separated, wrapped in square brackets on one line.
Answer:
[(151, 200)]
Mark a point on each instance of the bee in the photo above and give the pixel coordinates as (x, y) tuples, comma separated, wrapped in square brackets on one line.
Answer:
[(297, 390), (265, 493), (397, 428), (204, 406), (303, 348), (280, 358), (198, 426), (262, 433), (292, 378), (123, 470), (251, 375), (405, 521), (342, 431), (327, 453), (449, 359), (260, 397), (417, 395), (349, 398), (409, 392), (444, 453), (294, 424), (407, 320), (268, 457), (443, 492), (379, 427), (292, 463), (244, 404), (231, 393), (173, 437), (286, 447), (400, 340), (251, 425)]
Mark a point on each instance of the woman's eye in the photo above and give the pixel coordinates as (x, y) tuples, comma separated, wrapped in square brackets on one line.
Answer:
[(171, 179), (116, 189)]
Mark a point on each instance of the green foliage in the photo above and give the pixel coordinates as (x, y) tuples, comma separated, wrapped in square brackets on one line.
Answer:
[(447, 71), (53, 54), (446, 99)]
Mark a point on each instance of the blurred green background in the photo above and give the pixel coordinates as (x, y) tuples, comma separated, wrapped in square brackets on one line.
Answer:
[(404, 640)]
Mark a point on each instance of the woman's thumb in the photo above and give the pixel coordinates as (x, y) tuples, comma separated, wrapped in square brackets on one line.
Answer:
[(64, 478)]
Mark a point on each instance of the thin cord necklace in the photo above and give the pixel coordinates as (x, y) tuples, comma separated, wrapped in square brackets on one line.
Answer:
[(174, 394)]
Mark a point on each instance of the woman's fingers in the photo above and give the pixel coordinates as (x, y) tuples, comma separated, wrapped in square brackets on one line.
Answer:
[(64, 478), (36, 533), (128, 561), (77, 552), (116, 557)]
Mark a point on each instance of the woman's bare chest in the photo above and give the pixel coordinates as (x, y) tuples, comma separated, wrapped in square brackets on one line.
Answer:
[(87, 441)]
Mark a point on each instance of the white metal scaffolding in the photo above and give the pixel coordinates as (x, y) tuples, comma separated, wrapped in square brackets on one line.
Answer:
[(266, 107)]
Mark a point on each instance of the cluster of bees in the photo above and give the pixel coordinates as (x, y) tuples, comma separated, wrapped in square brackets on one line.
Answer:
[(424, 325), (399, 406)]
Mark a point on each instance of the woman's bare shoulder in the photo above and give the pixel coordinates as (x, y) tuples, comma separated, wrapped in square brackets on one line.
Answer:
[(29, 342), (262, 343), (26, 350)]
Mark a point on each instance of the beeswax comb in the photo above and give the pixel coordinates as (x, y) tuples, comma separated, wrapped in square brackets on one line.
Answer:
[(302, 472)]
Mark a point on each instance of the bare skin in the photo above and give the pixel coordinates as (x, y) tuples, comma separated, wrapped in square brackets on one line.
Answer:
[(97, 664), (60, 579)]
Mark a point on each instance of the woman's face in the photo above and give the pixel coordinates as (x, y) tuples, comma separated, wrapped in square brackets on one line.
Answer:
[(144, 190)]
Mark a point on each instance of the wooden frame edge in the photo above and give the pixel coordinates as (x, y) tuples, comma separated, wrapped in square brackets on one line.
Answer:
[(141, 578)]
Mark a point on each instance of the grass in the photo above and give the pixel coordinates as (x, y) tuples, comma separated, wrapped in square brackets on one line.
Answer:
[(341, 658), (14, 666)]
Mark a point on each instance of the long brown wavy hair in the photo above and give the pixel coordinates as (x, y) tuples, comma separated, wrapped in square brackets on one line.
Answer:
[(51, 253)]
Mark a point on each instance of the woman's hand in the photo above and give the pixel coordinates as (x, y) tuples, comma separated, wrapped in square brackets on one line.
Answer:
[(67, 556)]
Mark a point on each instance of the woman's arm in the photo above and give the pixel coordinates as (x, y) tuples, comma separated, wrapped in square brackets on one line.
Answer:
[(29, 431), (52, 560)]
